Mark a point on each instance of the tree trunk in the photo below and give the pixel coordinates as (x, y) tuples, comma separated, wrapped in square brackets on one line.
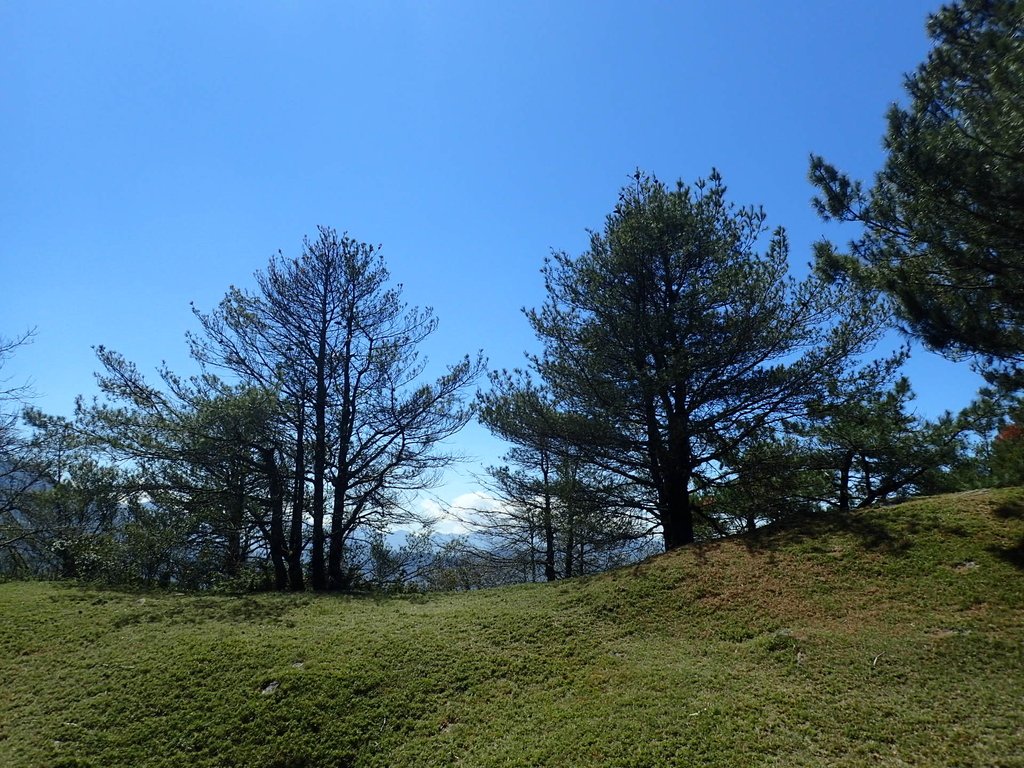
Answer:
[(550, 574), (233, 555), (549, 527), (676, 514), (870, 495), (671, 466), (844, 482), (570, 544), (277, 546), (316, 555), (68, 563), (296, 581), (337, 579)]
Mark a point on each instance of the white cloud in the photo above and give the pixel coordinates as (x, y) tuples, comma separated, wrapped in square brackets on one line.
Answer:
[(457, 516)]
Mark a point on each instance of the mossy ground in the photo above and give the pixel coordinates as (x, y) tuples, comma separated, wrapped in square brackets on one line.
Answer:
[(890, 637)]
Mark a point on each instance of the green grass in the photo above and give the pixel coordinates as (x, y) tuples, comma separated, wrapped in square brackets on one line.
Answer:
[(892, 637)]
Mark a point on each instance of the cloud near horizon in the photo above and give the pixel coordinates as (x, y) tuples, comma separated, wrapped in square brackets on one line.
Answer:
[(457, 517)]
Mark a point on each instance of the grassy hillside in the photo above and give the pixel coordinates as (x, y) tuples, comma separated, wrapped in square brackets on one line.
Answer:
[(893, 637)]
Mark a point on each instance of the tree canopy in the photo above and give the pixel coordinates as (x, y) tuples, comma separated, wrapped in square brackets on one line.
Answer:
[(313, 423), (330, 333), (678, 337), (943, 223)]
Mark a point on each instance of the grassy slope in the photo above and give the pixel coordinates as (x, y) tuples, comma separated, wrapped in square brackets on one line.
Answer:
[(891, 638)]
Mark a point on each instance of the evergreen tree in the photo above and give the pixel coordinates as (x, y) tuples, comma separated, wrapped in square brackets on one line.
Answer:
[(330, 333), (559, 516), (673, 342), (1005, 455), (206, 455), (68, 518), (943, 224), (17, 473), (774, 478), (875, 449)]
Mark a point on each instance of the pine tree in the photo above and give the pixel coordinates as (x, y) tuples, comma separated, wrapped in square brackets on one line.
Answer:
[(673, 341), (943, 223)]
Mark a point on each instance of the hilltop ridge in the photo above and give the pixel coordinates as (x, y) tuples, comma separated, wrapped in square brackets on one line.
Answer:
[(889, 636)]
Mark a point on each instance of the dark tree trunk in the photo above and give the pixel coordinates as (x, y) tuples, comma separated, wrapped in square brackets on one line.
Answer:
[(549, 527), (671, 468), (316, 555), (296, 581), (549, 542), (68, 564), (233, 556), (570, 546), (844, 482), (278, 551), (337, 576), (870, 493), (337, 579), (676, 514)]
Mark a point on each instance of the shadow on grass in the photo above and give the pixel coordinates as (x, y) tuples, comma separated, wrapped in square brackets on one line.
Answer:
[(1011, 510), (139, 606), (197, 609), (1012, 555), (888, 537), (896, 532)]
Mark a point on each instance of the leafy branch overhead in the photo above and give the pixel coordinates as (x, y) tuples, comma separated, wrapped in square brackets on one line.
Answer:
[(942, 226)]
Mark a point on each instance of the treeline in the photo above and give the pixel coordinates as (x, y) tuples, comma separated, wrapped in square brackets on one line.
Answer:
[(312, 420), (687, 386)]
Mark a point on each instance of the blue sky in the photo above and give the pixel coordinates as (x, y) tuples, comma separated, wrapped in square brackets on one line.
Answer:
[(156, 153)]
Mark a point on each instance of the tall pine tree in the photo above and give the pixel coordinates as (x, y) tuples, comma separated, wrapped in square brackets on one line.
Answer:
[(674, 340)]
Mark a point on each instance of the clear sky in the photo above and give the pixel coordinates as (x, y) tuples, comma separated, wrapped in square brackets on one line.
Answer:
[(155, 153)]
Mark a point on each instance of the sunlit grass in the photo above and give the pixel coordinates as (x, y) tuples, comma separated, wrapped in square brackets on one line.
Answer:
[(892, 637)]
